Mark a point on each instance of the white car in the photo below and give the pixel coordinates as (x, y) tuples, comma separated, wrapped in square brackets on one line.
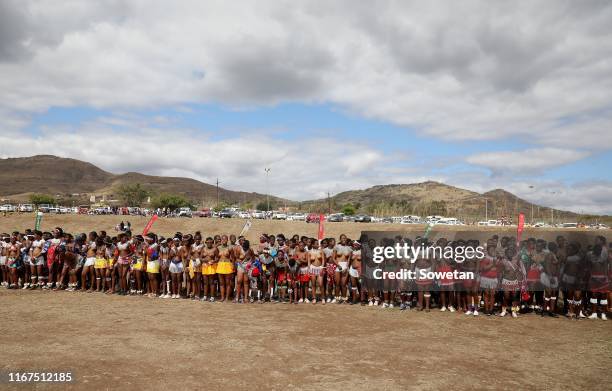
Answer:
[(296, 217), (244, 215), (258, 214), (411, 220), (184, 212), (26, 208), (63, 210), (7, 208), (279, 216)]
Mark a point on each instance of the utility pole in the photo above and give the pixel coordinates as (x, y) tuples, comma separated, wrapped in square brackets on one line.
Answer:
[(552, 216), (486, 209), (267, 189), (217, 193), (328, 204)]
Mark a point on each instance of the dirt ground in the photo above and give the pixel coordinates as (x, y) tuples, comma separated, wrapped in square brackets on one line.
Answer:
[(113, 342)]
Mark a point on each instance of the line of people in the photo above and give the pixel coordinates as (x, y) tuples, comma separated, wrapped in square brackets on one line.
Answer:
[(538, 276)]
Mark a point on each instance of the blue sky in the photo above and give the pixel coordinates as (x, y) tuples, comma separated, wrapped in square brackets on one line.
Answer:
[(478, 95)]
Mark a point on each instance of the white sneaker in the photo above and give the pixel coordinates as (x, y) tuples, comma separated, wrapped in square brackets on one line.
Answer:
[(581, 315), (451, 309), (376, 303), (307, 301), (603, 316), (514, 314), (475, 313), (328, 300), (593, 315), (503, 313), (391, 305), (301, 301), (443, 309), (468, 312), (333, 301), (370, 303), (385, 305)]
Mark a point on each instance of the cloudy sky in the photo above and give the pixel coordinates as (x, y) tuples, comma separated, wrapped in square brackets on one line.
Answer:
[(331, 95)]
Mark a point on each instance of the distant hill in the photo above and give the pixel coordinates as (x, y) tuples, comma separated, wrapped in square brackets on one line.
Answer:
[(434, 198), (66, 178), (74, 181)]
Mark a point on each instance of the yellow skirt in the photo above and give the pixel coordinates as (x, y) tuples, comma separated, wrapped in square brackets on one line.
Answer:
[(209, 269), (153, 267), (225, 267), (137, 265), (100, 263), (110, 262)]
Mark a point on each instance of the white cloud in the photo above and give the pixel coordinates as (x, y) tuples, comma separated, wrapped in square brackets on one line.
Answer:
[(475, 70), (302, 169), (529, 161), (536, 72)]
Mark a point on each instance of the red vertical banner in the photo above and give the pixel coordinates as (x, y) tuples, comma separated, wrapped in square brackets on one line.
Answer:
[(149, 225), (321, 234), (520, 227)]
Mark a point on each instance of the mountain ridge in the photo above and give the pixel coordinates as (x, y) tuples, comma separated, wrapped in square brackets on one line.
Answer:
[(69, 177)]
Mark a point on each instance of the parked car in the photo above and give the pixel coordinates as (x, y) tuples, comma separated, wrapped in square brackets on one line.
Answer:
[(363, 219), (336, 217), (26, 208), (448, 221), (7, 208), (313, 218), (258, 214), (244, 215), (296, 217), (226, 214), (184, 212), (279, 216), (64, 210), (202, 213)]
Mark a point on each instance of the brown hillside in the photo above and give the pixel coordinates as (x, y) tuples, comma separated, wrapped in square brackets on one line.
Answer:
[(64, 177), (51, 175), (429, 198)]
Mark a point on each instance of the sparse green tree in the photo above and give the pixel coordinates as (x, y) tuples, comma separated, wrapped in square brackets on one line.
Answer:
[(348, 209), (132, 195), (264, 206), (40, 199), (170, 201)]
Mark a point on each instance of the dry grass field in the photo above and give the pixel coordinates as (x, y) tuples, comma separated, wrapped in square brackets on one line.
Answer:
[(213, 226)]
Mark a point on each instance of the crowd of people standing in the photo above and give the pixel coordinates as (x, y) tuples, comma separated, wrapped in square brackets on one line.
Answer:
[(548, 278)]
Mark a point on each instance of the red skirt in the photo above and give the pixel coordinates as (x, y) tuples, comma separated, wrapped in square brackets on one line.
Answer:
[(533, 276)]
